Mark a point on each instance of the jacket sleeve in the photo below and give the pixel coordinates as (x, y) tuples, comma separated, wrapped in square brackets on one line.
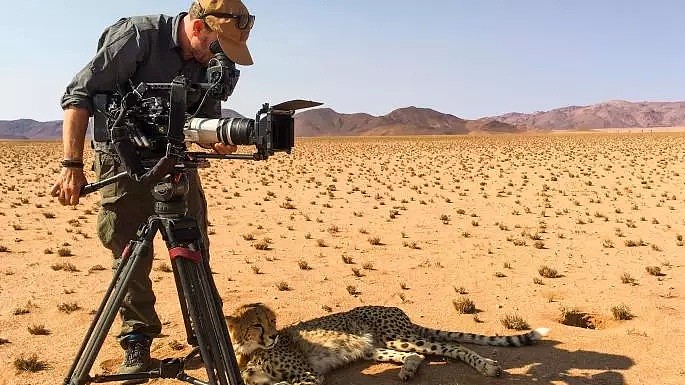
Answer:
[(120, 50)]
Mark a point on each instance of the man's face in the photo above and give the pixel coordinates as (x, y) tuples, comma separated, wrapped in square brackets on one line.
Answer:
[(200, 40)]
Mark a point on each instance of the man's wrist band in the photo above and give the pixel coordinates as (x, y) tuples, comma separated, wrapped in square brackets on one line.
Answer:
[(72, 163)]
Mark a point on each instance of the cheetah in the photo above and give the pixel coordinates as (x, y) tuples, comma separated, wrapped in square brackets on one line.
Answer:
[(303, 353)]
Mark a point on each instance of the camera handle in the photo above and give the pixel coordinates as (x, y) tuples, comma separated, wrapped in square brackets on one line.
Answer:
[(92, 187)]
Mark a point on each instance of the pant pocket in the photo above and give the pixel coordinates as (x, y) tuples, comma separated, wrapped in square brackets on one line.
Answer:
[(106, 226)]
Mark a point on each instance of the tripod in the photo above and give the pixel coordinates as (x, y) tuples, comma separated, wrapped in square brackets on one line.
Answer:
[(199, 299)]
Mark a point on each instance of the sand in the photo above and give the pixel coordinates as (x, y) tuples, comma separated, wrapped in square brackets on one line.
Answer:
[(416, 223)]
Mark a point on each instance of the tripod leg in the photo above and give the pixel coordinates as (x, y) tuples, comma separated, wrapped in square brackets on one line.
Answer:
[(187, 275), (114, 296), (190, 337), (219, 327), (207, 318)]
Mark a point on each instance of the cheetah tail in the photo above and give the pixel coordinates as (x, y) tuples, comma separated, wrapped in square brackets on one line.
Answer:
[(479, 339)]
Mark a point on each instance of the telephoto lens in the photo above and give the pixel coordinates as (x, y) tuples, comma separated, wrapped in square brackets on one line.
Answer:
[(232, 131)]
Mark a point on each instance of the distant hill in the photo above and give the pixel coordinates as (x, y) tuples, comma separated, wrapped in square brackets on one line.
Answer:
[(229, 113), (424, 121), (30, 129), (403, 121), (611, 114)]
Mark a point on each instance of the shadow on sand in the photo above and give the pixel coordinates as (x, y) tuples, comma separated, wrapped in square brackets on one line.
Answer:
[(542, 364)]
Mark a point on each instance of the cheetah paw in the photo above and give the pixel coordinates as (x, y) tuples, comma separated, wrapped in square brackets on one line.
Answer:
[(410, 366)]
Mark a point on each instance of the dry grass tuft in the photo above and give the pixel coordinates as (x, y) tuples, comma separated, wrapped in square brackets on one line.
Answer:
[(65, 266), (634, 243), (283, 286), (38, 330), (95, 268), (264, 244), (176, 345), (412, 245), (514, 321), (164, 268), (548, 272), (460, 290), (321, 243), (30, 364), (64, 252), (621, 312), (464, 305), (26, 309), (628, 279), (352, 290), (68, 307)]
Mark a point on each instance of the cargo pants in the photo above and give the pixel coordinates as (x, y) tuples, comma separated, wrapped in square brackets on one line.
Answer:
[(124, 206)]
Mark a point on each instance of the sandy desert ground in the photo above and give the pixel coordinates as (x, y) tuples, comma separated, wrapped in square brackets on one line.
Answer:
[(577, 228)]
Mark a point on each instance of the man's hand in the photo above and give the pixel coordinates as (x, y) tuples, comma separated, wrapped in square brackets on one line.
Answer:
[(224, 149), (67, 189)]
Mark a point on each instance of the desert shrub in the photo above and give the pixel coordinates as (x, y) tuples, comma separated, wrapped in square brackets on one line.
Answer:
[(548, 272), (283, 286), (30, 364), (621, 312), (654, 270), (514, 321), (464, 305)]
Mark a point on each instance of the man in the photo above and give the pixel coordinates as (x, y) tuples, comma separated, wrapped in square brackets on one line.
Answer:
[(143, 49)]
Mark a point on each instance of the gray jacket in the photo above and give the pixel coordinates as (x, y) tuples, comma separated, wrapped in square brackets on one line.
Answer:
[(139, 49)]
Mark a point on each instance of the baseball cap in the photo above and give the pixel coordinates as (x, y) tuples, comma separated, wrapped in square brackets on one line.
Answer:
[(232, 22)]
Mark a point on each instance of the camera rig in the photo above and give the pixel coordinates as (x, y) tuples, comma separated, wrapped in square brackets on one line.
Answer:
[(150, 125)]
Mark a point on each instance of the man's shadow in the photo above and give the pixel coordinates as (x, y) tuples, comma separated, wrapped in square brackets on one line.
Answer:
[(543, 364)]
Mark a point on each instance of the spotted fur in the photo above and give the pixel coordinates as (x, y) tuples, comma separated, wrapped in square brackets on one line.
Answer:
[(303, 353)]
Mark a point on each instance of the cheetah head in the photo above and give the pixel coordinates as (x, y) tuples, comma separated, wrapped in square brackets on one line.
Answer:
[(252, 327)]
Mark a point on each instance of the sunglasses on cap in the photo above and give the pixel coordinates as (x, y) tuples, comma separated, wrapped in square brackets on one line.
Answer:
[(243, 22)]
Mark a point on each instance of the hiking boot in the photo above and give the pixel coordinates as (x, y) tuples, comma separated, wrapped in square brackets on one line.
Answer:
[(137, 359)]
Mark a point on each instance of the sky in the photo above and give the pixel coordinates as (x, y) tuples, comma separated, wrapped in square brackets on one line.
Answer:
[(469, 58)]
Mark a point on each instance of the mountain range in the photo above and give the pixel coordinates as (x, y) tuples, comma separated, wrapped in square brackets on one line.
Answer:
[(424, 121)]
